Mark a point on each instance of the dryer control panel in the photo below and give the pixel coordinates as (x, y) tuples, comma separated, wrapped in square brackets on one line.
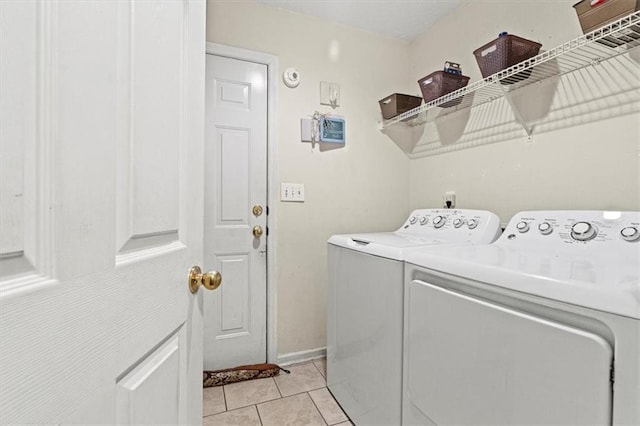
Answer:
[(453, 225), (573, 227)]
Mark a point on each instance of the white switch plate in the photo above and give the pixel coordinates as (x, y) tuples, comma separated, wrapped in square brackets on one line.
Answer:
[(292, 192), (329, 94)]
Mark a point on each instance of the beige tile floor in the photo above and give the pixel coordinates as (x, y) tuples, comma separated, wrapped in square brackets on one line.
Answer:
[(299, 398)]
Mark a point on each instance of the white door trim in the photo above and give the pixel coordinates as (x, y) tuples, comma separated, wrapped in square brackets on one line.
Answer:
[(271, 62)]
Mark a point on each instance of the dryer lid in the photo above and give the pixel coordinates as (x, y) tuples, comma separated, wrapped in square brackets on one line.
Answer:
[(607, 282), (391, 245)]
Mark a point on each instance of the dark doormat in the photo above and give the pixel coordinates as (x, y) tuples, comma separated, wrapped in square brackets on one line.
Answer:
[(238, 374)]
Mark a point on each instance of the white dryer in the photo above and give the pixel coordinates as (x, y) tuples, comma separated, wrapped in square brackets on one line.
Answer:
[(540, 327), (364, 325)]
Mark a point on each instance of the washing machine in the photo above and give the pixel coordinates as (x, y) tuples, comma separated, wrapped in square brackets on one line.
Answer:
[(365, 304), (540, 327)]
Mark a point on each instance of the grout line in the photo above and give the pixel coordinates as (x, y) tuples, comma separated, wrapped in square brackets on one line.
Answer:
[(224, 397), (277, 387), (318, 408), (258, 411), (314, 364)]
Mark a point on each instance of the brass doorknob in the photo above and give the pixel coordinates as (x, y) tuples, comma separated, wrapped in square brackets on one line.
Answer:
[(257, 231), (209, 280), (257, 210)]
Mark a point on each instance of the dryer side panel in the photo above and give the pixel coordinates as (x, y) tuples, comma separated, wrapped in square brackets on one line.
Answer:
[(364, 335), (474, 362)]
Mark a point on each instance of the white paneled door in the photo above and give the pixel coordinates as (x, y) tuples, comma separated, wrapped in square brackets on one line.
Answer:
[(102, 144), (235, 211)]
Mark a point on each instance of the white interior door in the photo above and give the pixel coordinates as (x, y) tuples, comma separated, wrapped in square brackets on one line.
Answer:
[(102, 137), (235, 204)]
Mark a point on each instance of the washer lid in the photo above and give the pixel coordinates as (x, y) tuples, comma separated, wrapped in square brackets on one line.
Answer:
[(606, 282), (391, 245)]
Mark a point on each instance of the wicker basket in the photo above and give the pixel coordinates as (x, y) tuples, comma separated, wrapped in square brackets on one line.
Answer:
[(440, 83), (398, 103), (504, 52), (594, 17)]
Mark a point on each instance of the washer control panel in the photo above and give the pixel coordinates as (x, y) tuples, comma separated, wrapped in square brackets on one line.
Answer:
[(573, 227), (453, 224)]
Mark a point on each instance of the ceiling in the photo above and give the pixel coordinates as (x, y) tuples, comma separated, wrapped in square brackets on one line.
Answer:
[(404, 19)]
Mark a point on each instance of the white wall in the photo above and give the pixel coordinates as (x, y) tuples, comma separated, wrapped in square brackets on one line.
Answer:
[(362, 187), (592, 165)]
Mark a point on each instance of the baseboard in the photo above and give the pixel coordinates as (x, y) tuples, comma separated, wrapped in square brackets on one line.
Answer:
[(302, 356)]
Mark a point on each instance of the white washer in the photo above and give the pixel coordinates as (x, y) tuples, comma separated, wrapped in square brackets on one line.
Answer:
[(364, 325), (540, 327)]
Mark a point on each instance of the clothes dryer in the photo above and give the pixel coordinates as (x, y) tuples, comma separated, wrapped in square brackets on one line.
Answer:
[(540, 327), (364, 326)]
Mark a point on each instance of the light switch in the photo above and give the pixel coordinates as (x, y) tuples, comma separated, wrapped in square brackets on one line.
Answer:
[(329, 94), (292, 192)]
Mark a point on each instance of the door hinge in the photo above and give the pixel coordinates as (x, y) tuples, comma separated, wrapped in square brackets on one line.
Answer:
[(612, 374)]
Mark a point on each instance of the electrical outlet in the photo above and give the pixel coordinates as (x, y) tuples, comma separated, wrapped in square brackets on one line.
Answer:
[(449, 199), (292, 192)]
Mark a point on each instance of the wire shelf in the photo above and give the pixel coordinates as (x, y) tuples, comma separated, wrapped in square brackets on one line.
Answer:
[(592, 48)]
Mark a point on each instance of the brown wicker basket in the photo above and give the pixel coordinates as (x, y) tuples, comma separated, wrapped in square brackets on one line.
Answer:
[(504, 52), (440, 83), (594, 17), (398, 103)]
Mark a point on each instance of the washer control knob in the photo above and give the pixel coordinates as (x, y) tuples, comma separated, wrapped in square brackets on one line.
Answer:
[(413, 219), (630, 233), (439, 221), (583, 231), (472, 223), (522, 226), (545, 228), (424, 220), (458, 223)]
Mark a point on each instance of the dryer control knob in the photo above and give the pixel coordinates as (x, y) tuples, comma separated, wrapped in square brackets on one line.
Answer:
[(472, 223), (413, 219), (458, 223), (583, 231), (439, 221), (545, 228), (630, 233), (424, 220), (522, 227)]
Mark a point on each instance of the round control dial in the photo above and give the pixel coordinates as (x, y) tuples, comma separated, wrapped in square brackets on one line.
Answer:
[(424, 220), (472, 223), (630, 233), (439, 221), (545, 228), (522, 227), (583, 231), (458, 223), (413, 219)]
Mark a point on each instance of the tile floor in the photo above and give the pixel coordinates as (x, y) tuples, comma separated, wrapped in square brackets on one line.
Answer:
[(299, 398)]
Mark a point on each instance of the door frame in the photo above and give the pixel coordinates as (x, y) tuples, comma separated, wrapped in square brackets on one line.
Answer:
[(271, 61)]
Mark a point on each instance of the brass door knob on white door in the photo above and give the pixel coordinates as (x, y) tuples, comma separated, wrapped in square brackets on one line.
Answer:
[(257, 231), (209, 280)]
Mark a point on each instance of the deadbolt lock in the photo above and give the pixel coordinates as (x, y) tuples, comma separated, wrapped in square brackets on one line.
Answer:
[(257, 210)]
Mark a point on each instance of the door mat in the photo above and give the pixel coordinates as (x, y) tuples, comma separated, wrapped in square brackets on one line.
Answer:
[(238, 374)]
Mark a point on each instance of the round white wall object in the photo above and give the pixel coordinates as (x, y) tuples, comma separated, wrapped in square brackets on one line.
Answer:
[(291, 77)]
